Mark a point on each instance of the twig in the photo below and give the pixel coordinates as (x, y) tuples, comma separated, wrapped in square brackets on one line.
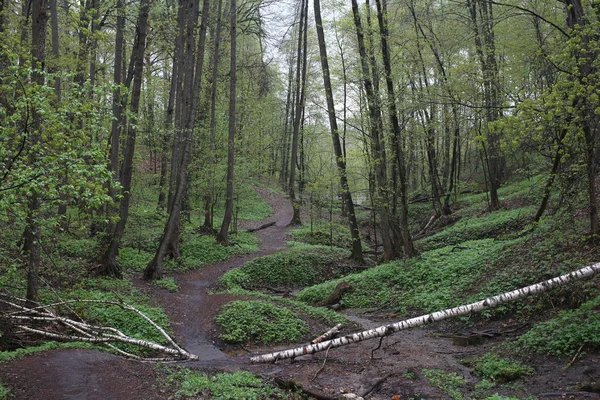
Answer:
[(322, 366), (377, 383), (376, 348), (574, 358)]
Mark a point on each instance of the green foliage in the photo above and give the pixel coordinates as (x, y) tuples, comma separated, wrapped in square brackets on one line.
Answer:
[(4, 392), (226, 386), (325, 234), (167, 283), (198, 251), (498, 369), (329, 317), (493, 224), (436, 280), (260, 321), (82, 248), (567, 332), (449, 383), (295, 267), (17, 354), (496, 396), (132, 258), (250, 206)]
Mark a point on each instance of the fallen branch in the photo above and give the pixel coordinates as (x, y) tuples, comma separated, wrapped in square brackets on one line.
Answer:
[(377, 383), (263, 226), (27, 318), (429, 318), (329, 334)]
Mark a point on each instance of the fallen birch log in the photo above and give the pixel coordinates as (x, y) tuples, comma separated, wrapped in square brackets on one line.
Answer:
[(329, 334), (429, 318)]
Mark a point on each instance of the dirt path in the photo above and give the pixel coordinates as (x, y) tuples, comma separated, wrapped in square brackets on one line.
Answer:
[(93, 375)]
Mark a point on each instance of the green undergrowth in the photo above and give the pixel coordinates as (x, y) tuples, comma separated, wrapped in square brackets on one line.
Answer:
[(4, 392), (17, 354), (328, 317), (495, 224), (168, 284), (494, 368), (451, 384), (435, 280), (226, 386), (567, 332), (324, 234), (259, 321), (299, 266)]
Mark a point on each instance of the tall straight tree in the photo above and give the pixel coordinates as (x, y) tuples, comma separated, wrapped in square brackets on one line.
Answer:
[(192, 69), (383, 202), (109, 261), (337, 147), (398, 160), (223, 236), (39, 19), (301, 61)]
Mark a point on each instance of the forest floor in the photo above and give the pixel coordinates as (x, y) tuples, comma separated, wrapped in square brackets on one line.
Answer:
[(395, 369)]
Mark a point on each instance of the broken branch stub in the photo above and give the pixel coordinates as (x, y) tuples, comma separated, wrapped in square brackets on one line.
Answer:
[(385, 330)]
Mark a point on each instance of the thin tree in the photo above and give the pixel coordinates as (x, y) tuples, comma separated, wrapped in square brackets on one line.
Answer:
[(223, 236), (109, 261), (335, 136)]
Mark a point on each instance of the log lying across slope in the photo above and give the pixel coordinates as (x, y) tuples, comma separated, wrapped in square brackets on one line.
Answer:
[(436, 316)]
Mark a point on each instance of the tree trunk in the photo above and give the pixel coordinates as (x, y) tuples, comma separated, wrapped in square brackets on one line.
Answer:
[(118, 103), (223, 236), (301, 59), (390, 248), (337, 148), (109, 262), (39, 18), (466, 309)]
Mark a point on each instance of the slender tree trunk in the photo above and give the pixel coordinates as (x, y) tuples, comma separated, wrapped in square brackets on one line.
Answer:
[(383, 204), (209, 197), (166, 138), (109, 262), (223, 236), (39, 18), (118, 103), (301, 59), (399, 159), (337, 148)]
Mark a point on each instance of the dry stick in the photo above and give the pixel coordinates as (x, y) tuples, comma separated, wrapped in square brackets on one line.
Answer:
[(574, 358), (377, 383), (376, 348), (429, 318), (322, 366)]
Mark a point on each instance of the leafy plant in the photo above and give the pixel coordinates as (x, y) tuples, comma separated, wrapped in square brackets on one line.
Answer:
[(167, 283), (295, 267), (244, 321), (17, 354), (495, 368), (4, 392), (449, 383), (567, 332)]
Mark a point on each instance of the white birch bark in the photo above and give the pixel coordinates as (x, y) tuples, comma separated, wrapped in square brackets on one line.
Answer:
[(429, 318)]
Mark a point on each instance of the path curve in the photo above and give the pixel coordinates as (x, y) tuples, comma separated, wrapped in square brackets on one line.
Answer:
[(95, 375)]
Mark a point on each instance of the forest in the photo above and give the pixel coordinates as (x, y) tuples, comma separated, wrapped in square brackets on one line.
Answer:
[(193, 192)]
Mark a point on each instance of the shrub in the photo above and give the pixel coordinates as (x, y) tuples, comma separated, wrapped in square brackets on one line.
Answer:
[(567, 332), (295, 267), (244, 321), (495, 368)]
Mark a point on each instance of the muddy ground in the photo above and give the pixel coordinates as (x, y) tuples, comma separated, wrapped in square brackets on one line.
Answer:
[(393, 371)]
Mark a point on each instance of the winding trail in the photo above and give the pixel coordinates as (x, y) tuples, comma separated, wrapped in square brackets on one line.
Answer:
[(95, 375)]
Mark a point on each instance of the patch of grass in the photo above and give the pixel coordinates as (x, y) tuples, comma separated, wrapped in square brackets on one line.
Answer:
[(167, 283), (250, 206), (198, 251), (448, 383), (226, 386), (324, 234), (82, 248), (567, 332), (329, 317), (17, 354), (259, 321), (4, 392), (435, 280), (497, 369), (489, 225), (295, 267), (134, 258)]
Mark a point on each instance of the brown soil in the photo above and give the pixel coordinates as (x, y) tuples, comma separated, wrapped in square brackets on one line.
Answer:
[(87, 374)]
